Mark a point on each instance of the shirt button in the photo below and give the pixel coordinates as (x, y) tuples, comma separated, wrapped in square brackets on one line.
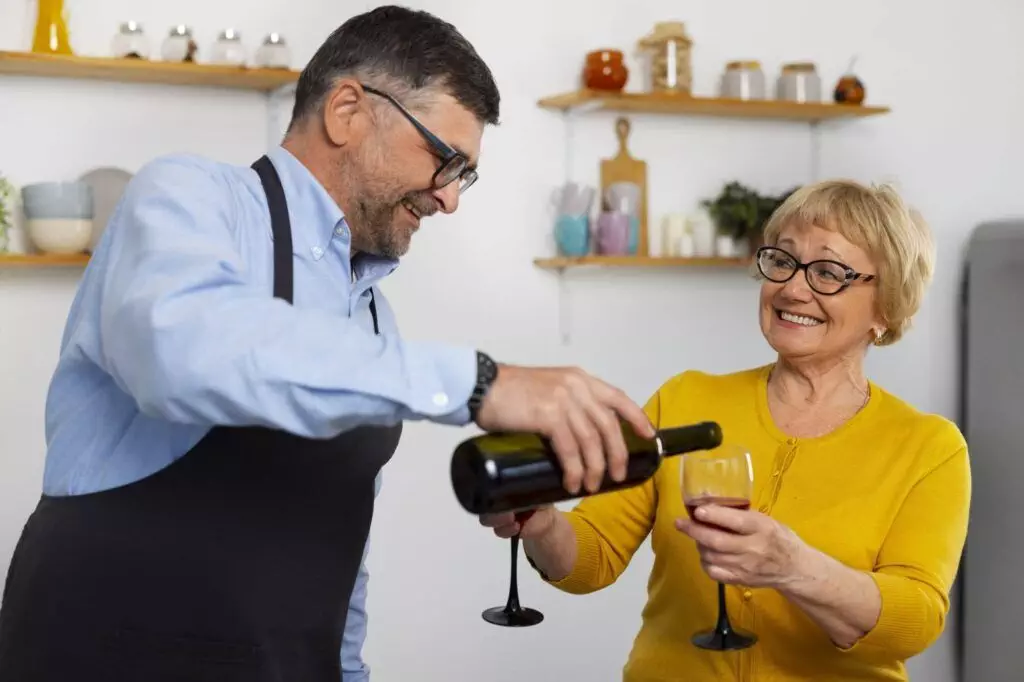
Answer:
[(317, 252), (440, 399), (775, 474), (791, 441), (748, 595), (763, 509), (339, 230)]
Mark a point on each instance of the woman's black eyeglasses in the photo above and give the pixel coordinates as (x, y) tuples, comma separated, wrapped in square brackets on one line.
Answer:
[(454, 165), (827, 277)]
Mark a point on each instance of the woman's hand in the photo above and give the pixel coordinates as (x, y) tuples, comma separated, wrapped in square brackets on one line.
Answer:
[(744, 547), (528, 524)]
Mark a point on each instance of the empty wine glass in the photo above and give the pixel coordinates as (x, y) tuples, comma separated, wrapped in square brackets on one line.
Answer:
[(512, 614), (723, 476)]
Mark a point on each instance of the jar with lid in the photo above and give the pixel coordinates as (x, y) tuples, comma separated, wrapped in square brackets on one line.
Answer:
[(743, 80), (273, 53), (799, 82), (228, 49), (130, 42), (669, 48), (179, 46)]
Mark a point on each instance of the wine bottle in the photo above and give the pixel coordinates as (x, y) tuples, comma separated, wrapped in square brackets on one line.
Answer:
[(499, 472)]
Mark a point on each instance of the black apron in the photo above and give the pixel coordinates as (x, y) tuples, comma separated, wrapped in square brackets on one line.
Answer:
[(235, 563)]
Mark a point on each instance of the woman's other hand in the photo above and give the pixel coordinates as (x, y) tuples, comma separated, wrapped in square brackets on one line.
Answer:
[(528, 524)]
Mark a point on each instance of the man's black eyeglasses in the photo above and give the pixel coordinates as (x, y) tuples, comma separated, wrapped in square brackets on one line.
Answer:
[(827, 277), (454, 166)]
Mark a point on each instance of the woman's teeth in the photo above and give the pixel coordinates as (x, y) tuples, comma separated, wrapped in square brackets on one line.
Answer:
[(799, 319)]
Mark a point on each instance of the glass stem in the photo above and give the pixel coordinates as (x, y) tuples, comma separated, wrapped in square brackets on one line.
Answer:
[(512, 605), (723, 626)]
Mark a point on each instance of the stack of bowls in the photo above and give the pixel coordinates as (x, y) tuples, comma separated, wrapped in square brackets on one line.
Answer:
[(58, 216)]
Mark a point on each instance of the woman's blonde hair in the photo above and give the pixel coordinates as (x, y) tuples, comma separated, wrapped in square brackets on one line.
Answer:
[(877, 220)]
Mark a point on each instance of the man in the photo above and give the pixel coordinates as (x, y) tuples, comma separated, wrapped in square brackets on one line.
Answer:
[(231, 382)]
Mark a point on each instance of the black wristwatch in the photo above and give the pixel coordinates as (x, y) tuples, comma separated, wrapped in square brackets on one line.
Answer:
[(486, 373)]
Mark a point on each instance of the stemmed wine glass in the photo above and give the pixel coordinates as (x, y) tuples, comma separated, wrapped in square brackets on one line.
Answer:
[(512, 614), (723, 476)]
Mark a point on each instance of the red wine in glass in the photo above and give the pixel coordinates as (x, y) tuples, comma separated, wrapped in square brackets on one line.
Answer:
[(734, 502), (513, 614), (725, 477)]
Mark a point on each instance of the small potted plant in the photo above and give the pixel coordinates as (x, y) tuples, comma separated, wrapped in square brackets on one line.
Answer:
[(740, 213), (6, 211)]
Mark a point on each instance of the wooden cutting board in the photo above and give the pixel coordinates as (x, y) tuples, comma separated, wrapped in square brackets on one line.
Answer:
[(625, 168)]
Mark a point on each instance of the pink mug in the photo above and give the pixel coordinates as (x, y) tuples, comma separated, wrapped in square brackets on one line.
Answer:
[(613, 233)]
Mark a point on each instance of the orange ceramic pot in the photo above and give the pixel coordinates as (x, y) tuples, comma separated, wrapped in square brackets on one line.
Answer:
[(849, 90), (605, 70)]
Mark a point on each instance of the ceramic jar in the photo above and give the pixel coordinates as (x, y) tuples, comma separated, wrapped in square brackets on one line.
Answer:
[(605, 70), (743, 80), (799, 82)]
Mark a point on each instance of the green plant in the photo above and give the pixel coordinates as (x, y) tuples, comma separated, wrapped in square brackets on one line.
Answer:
[(6, 208), (741, 212)]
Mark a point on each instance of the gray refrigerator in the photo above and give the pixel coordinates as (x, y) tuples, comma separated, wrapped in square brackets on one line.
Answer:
[(991, 596)]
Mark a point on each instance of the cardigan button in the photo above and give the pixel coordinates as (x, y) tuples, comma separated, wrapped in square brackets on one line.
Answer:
[(748, 595)]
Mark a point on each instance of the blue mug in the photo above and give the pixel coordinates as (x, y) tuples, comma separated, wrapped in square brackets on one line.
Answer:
[(572, 235)]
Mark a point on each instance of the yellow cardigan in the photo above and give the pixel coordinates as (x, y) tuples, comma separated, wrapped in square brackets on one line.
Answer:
[(887, 493)]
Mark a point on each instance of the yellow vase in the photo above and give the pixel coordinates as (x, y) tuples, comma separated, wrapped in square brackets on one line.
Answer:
[(51, 36)]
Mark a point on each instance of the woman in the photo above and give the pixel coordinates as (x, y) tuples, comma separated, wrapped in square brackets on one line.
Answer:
[(843, 565)]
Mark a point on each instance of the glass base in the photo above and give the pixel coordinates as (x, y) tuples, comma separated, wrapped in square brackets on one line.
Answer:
[(512, 618), (724, 640)]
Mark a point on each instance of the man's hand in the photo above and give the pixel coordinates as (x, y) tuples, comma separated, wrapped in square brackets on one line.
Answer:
[(578, 413)]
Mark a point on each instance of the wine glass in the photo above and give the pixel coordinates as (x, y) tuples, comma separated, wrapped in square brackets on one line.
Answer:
[(512, 614), (723, 476)]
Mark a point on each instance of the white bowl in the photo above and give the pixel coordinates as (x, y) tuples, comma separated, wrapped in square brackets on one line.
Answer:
[(60, 235)]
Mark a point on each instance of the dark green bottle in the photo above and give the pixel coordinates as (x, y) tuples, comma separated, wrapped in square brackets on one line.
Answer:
[(499, 472)]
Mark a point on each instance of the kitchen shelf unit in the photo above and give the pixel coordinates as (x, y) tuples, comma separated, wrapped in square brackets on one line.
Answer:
[(582, 102), (145, 71), (274, 84), (43, 260)]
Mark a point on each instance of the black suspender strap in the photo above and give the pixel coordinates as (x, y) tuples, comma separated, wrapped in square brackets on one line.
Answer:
[(280, 226), (373, 311)]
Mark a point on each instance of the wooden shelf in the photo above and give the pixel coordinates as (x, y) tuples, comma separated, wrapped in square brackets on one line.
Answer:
[(42, 260), (144, 71), (658, 103), (559, 263)]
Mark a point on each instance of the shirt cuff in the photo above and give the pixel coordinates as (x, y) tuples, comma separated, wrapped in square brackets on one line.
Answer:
[(447, 400)]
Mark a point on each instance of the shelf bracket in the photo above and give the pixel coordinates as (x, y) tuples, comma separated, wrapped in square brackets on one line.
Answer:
[(276, 98), (564, 319), (815, 151)]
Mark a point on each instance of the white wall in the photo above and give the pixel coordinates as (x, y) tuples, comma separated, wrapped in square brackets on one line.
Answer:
[(950, 76)]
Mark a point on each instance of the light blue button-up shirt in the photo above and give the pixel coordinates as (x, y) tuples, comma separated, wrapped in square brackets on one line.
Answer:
[(174, 330)]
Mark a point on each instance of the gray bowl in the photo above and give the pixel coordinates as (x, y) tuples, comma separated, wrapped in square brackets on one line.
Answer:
[(53, 200)]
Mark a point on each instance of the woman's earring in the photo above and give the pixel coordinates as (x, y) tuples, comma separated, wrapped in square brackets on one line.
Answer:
[(879, 333)]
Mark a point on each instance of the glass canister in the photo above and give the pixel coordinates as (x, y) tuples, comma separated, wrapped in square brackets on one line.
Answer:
[(743, 80), (273, 53), (669, 48), (130, 42), (179, 45), (799, 82), (228, 49)]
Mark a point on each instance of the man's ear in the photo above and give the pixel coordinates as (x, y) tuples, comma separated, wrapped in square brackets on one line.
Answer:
[(343, 107)]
